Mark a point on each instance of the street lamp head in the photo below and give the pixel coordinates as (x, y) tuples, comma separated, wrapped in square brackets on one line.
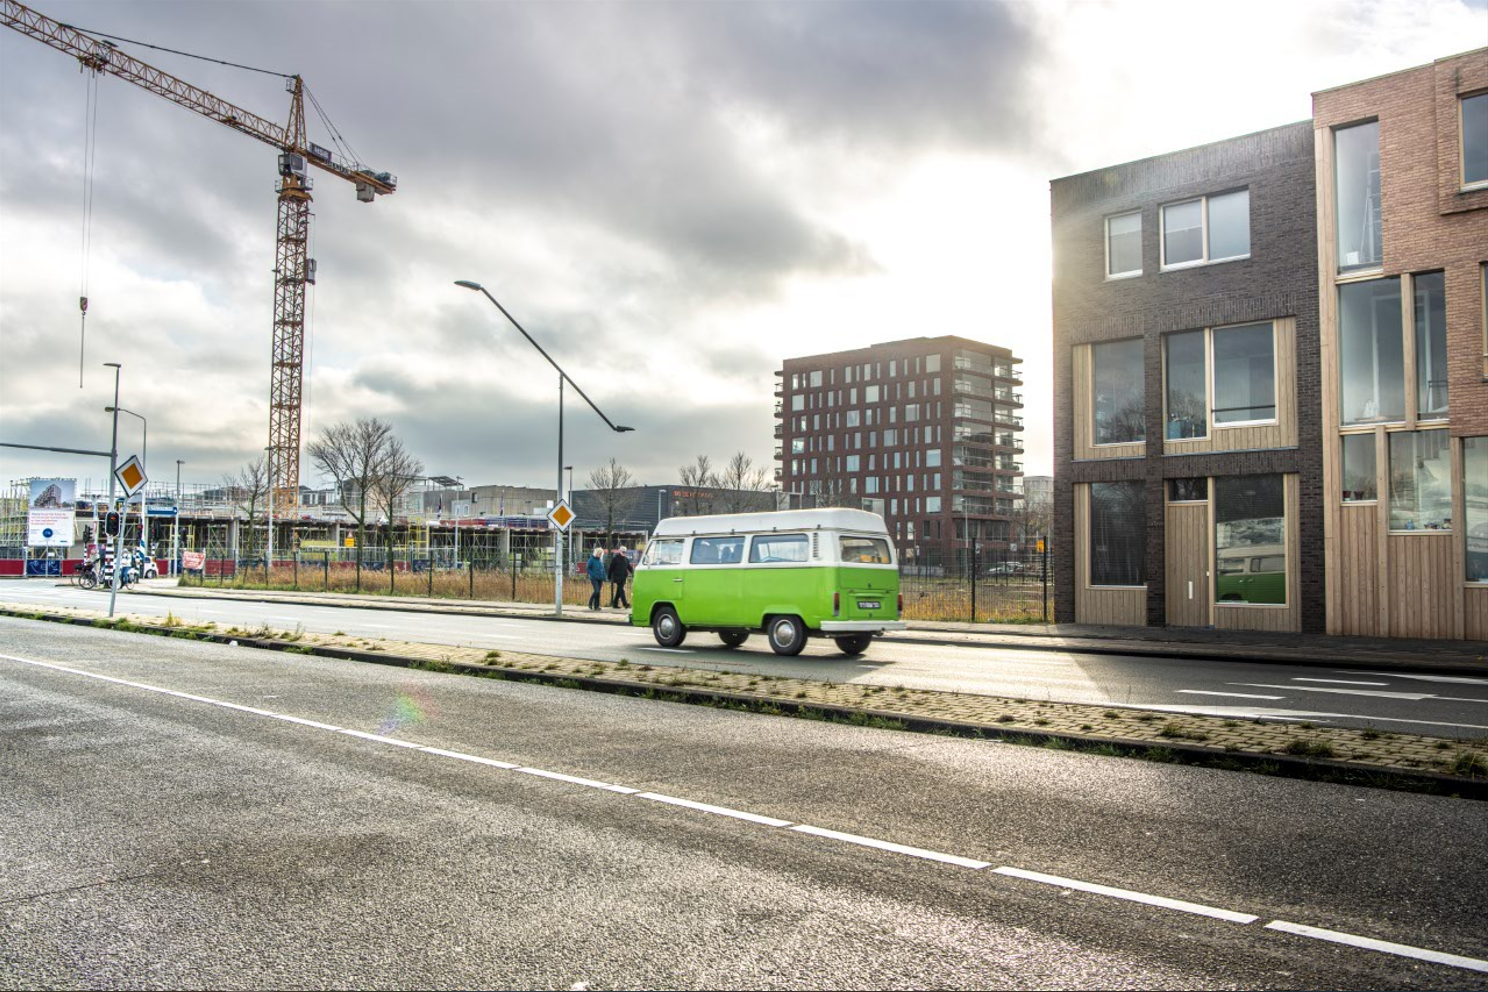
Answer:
[(621, 428), (469, 285), (112, 365)]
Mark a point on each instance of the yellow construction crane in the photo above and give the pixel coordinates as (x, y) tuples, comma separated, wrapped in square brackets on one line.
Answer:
[(293, 268)]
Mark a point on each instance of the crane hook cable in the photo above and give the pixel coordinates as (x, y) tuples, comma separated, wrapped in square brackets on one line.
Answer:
[(173, 51), (90, 156)]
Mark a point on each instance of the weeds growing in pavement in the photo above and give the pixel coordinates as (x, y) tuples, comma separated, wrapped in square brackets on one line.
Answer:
[(1177, 731), (1309, 748), (1470, 763)]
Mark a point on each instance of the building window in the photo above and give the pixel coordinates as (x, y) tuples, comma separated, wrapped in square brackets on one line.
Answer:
[(1206, 229), (932, 458), (1356, 180), (852, 463), (1475, 139), (1250, 539), (932, 504), (1360, 472), (1124, 245), (1187, 400), (1371, 352), (1475, 502), (932, 363), (1118, 533), (1188, 490), (1117, 402), (1244, 374), (1431, 344), (1420, 481), (816, 380)]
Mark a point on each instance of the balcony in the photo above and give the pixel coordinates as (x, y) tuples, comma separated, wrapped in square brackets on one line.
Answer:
[(963, 364), (973, 504), (973, 410), (779, 407), (1009, 396), (779, 453), (971, 434), (1007, 372), (962, 483), (1009, 420), (961, 387), (779, 431)]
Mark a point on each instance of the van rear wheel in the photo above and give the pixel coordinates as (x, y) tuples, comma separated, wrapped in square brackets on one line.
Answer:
[(854, 643), (787, 635), (733, 638), (667, 629)]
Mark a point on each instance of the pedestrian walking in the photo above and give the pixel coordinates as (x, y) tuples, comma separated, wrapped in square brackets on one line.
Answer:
[(619, 572), (596, 571)]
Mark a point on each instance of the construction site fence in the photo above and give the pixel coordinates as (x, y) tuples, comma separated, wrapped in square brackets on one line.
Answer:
[(999, 587)]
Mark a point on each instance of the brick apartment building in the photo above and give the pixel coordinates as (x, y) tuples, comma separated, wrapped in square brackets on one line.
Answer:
[(1237, 448), (1402, 230), (925, 432), (1188, 468)]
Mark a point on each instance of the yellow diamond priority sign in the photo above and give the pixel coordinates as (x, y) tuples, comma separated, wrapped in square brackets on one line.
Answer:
[(561, 516), (131, 476)]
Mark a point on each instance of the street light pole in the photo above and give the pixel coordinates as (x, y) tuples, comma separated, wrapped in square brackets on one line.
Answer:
[(558, 567), (114, 467), (569, 498)]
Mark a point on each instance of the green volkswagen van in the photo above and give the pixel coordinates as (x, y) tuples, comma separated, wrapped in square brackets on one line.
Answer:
[(792, 574)]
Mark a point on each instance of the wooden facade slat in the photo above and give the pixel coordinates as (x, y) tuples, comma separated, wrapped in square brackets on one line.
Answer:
[(1421, 585)]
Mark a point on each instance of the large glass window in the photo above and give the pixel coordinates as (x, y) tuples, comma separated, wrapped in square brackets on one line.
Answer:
[(1475, 139), (1117, 380), (1208, 229), (1194, 490), (1356, 172), (1371, 352), (865, 550), (1475, 502), (1124, 245), (1187, 398), (1431, 344), (1360, 476), (1244, 374), (1250, 539), (667, 552), (1420, 481), (1118, 533), (779, 547), (717, 550)]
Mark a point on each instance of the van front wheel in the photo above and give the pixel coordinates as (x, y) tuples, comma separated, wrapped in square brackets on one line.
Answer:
[(854, 643), (667, 628), (787, 635)]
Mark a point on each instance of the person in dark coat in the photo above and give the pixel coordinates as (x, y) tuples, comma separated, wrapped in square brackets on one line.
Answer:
[(596, 572), (619, 571)]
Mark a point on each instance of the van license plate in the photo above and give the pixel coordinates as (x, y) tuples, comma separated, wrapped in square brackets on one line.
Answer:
[(869, 604)]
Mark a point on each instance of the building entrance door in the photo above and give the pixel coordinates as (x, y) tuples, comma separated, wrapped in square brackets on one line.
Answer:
[(1187, 555)]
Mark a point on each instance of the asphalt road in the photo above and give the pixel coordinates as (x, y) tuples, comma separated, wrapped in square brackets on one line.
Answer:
[(178, 814), (1444, 705)]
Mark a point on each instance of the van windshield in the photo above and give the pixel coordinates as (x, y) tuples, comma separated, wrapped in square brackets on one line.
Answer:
[(664, 553), (865, 551)]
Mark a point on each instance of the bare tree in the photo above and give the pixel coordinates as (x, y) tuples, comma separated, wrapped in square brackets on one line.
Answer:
[(606, 483), (695, 478), (743, 486), (351, 453), (833, 492), (396, 472), (247, 490)]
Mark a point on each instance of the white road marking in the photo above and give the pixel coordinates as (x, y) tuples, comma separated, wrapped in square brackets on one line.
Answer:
[(1414, 697), (1338, 681), (1385, 946), (1458, 679), (884, 845), (1232, 695), (647, 647), (1198, 909), (1369, 943), (738, 814)]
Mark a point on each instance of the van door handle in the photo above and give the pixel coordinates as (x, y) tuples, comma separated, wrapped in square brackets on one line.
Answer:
[(677, 579)]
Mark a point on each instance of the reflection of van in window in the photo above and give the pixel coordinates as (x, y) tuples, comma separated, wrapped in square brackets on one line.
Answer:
[(792, 574), (1254, 573)]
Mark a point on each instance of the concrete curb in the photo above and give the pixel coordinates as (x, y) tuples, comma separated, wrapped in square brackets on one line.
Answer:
[(971, 638), (1312, 769)]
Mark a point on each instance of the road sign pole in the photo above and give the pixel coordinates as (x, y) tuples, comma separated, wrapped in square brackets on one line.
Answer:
[(113, 467)]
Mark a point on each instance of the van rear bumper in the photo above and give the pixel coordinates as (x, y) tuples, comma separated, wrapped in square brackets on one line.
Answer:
[(861, 626)]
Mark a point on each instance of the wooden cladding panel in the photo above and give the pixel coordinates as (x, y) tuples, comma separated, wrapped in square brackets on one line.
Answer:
[(1084, 416), (1278, 618), (1125, 607), (1187, 533), (1476, 598), (1422, 587), (1283, 433), (1356, 582)]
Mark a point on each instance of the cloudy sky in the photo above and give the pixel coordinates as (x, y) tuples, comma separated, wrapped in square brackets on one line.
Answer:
[(672, 197)]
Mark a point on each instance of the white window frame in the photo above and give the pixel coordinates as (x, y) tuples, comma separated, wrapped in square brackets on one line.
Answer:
[(1203, 201), (1132, 274)]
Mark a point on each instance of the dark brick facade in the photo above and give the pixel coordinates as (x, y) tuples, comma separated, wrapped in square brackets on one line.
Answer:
[(1279, 279)]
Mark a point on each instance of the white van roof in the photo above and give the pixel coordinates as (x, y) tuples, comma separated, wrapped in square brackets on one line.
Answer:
[(835, 518)]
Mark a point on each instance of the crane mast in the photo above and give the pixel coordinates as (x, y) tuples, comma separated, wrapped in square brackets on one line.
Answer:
[(293, 267)]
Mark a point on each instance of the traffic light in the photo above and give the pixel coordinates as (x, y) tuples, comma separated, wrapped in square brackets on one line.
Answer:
[(111, 523)]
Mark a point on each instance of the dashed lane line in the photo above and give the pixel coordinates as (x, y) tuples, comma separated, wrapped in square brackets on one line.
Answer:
[(1128, 895)]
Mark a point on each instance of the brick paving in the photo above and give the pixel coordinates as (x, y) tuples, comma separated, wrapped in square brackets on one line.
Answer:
[(1358, 749)]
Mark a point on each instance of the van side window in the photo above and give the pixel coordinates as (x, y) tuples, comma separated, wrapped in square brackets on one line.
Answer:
[(865, 551), (664, 553), (779, 547), (717, 550)]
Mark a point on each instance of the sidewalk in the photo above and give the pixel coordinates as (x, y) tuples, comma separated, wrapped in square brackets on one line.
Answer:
[(1449, 657)]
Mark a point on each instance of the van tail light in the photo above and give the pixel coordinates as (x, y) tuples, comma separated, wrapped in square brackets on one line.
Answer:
[(836, 604), (901, 603)]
